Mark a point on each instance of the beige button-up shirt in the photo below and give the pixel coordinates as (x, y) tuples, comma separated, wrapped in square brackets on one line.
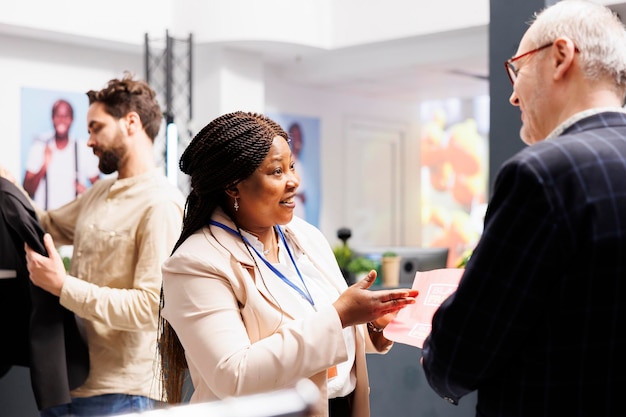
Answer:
[(122, 231)]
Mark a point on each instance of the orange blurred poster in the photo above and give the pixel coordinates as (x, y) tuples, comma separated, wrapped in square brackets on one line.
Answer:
[(454, 164)]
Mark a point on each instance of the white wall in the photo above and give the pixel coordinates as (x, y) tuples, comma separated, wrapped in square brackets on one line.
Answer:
[(335, 111), (82, 49), (52, 66), (120, 21), (302, 22), (363, 21), (326, 24)]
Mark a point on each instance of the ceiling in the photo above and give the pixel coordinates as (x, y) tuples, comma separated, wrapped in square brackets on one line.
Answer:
[(449, 64), (439, 65), (432, 66)]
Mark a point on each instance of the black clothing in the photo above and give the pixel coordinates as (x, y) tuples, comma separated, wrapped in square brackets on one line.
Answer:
[(37, 331)]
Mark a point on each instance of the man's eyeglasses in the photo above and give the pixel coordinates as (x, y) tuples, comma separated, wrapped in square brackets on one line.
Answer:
[(512, 70)]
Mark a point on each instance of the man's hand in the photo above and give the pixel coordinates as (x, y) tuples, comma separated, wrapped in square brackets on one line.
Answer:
[(47, 273)]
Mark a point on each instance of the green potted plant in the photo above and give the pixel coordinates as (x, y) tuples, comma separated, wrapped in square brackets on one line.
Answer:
[(343, 255), (360, 266)]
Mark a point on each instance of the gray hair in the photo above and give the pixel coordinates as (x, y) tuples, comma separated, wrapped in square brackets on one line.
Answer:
[(597, 32)]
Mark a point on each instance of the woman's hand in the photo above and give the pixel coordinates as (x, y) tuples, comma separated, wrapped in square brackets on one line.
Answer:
[(382, 321), (360, 305)]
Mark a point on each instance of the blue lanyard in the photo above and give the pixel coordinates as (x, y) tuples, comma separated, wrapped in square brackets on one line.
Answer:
[(307, 296)]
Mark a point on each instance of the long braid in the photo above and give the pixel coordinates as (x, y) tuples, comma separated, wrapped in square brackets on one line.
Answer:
[(225, 152)]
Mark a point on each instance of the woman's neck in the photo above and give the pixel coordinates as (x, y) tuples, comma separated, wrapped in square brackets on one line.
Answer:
[(269, 239)]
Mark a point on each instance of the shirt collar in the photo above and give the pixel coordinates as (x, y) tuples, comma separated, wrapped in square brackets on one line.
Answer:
[(121, 185), (581, 115)]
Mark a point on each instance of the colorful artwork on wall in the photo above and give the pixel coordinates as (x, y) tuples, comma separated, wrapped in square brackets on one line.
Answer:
[(454, 173)]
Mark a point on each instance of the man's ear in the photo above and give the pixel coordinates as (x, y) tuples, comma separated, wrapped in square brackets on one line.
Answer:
[(563, 54), (133, 123)]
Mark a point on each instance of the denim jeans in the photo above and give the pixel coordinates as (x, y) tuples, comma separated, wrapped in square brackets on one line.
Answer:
[(101, 405)]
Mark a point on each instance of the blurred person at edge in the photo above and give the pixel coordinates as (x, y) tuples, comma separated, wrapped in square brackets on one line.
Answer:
[(537, 323), (253, 298), (122, 229)]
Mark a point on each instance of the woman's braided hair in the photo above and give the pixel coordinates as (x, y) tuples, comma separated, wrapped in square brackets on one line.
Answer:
[(225, 152)]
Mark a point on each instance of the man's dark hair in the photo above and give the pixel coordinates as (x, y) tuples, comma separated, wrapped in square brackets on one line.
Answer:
[(121, 97)]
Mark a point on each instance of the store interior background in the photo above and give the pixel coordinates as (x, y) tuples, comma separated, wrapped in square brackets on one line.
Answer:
[(360, 67)]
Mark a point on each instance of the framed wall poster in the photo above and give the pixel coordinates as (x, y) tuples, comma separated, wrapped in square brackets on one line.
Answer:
[(56, 163)]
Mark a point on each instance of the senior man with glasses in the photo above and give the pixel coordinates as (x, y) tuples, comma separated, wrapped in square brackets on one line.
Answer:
[(537, 323)]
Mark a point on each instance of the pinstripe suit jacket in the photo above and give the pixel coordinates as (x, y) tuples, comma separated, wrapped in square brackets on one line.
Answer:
[(537, 324)]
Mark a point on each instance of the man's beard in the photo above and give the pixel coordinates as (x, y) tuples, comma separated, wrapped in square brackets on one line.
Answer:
[(109, 161)]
